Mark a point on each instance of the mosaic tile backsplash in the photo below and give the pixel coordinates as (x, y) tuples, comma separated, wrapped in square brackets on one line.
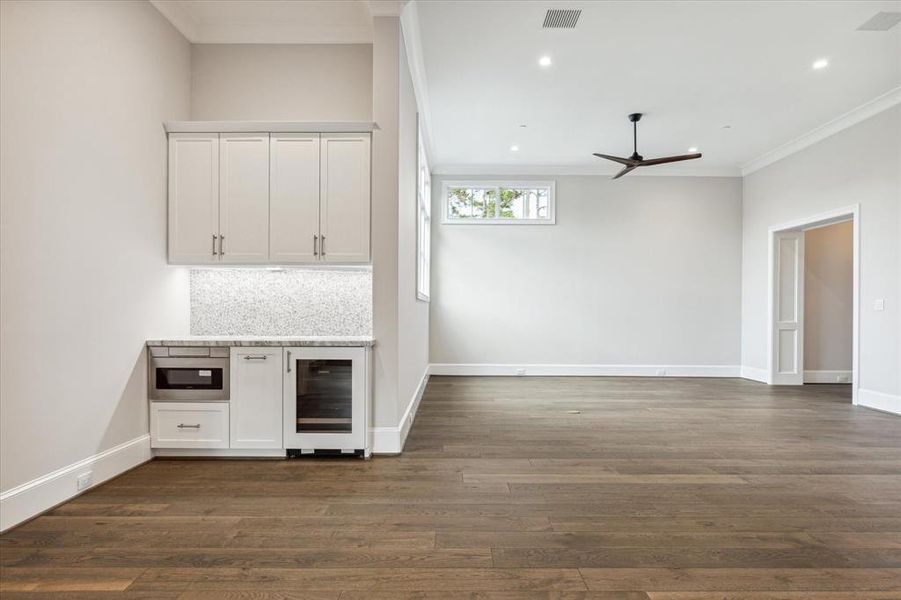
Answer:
[(281, 302)]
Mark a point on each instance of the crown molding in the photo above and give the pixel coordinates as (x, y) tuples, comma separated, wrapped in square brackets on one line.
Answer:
[(409, 22), (601, 171), (853, 117)]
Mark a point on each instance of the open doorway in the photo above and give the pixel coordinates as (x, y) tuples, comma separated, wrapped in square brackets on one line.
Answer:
[(789, 362)]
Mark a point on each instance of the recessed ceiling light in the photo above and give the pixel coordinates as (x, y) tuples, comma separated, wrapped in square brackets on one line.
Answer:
[(514, 148), (820, 63), (544, 61), (693, 149)]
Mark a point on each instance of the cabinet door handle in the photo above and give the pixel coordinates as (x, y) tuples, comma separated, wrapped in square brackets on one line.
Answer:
[(214, 244), (183, 426), (315, 251), (256, 357), (322, 246), (289, 361), (221, 245)]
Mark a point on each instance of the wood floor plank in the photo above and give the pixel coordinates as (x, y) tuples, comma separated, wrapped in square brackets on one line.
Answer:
[(654, 489)]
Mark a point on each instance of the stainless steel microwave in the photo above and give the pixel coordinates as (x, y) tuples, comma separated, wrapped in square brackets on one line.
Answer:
[(188, 374)]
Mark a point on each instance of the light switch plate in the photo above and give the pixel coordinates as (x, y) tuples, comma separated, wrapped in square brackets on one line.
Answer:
[(879, 304)]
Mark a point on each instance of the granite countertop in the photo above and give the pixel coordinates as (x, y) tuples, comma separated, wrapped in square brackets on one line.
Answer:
[(224, 340)]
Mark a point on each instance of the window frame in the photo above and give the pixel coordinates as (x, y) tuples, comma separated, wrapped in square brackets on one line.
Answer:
[(497, 184)]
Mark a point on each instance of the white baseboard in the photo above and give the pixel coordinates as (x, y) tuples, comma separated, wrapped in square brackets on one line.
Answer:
[(544, 370), (890, 403), (827, 376), (391, 440), (754, 374), (38, 495)]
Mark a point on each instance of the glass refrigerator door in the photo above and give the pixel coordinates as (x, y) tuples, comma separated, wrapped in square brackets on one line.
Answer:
[(324, 396)]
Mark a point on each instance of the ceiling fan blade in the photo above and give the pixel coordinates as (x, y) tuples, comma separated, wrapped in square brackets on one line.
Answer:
[(623, 161), (626, 170), (669, 159)]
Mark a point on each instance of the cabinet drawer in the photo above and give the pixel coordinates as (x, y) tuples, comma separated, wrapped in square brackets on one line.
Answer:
[(189, 424)]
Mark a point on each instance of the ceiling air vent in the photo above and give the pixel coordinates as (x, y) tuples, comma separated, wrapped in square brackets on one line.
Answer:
[(881, 21), (561, 19)]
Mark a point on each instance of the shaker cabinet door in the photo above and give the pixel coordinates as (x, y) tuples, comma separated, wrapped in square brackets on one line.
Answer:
[(244, 197), (193, 198), (256, 397), (294, 197), (345, 197)]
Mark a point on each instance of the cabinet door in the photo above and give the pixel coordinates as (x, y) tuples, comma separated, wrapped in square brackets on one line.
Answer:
[(293, 197), (193, 197), (325, 398), (244, 197), (256, 398), (344, 199)]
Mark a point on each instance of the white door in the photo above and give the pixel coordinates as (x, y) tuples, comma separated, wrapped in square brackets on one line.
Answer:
[(344, 199), (193, 197), (294, 197), (788, 308), (243, 197), (325, 398), (256, 398)]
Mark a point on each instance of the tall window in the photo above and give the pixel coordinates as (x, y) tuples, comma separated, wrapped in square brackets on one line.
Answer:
[(499, 202), (424, 218)]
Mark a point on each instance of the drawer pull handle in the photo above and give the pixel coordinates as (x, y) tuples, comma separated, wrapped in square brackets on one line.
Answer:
[(183, 426), (256, 357)]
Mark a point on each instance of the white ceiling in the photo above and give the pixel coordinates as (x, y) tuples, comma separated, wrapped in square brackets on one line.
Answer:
[(691, 67), (270, 21)]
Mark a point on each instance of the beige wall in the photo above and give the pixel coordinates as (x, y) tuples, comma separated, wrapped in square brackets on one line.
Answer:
[(860, 165), (828, 297), (636, 271), (84, 89), (282, 82)]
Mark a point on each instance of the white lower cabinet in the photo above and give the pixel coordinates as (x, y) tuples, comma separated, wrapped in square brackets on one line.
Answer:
[(256, 397), (189, 424)]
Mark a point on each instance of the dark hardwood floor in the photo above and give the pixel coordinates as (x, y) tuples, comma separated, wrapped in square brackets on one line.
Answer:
[(512, 488)]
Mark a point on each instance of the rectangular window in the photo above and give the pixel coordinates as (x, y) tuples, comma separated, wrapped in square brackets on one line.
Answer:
[(499, 202), (424, 218)]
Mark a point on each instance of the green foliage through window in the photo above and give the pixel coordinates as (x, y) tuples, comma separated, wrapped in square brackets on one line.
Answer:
[(498, 203)]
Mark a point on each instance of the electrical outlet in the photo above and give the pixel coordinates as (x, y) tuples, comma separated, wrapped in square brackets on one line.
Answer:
[(661, 372), (520, 371), (84, 481), (879, 304)]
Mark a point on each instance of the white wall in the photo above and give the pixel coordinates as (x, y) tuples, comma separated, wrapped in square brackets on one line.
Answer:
[(638, 271), (862, 165), (400, 322), (413, 314), (282, 82), (84, 89), (828, 297)]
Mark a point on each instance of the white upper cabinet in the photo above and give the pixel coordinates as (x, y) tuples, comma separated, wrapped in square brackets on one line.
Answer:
[(193, 197), (281, 198), (294, 197), (344, 197), (244, 197)]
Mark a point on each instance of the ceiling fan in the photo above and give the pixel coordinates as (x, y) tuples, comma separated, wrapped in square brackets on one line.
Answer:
[(637, 160)]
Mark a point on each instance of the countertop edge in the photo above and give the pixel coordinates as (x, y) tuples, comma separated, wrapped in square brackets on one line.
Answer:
[(349, 342)]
